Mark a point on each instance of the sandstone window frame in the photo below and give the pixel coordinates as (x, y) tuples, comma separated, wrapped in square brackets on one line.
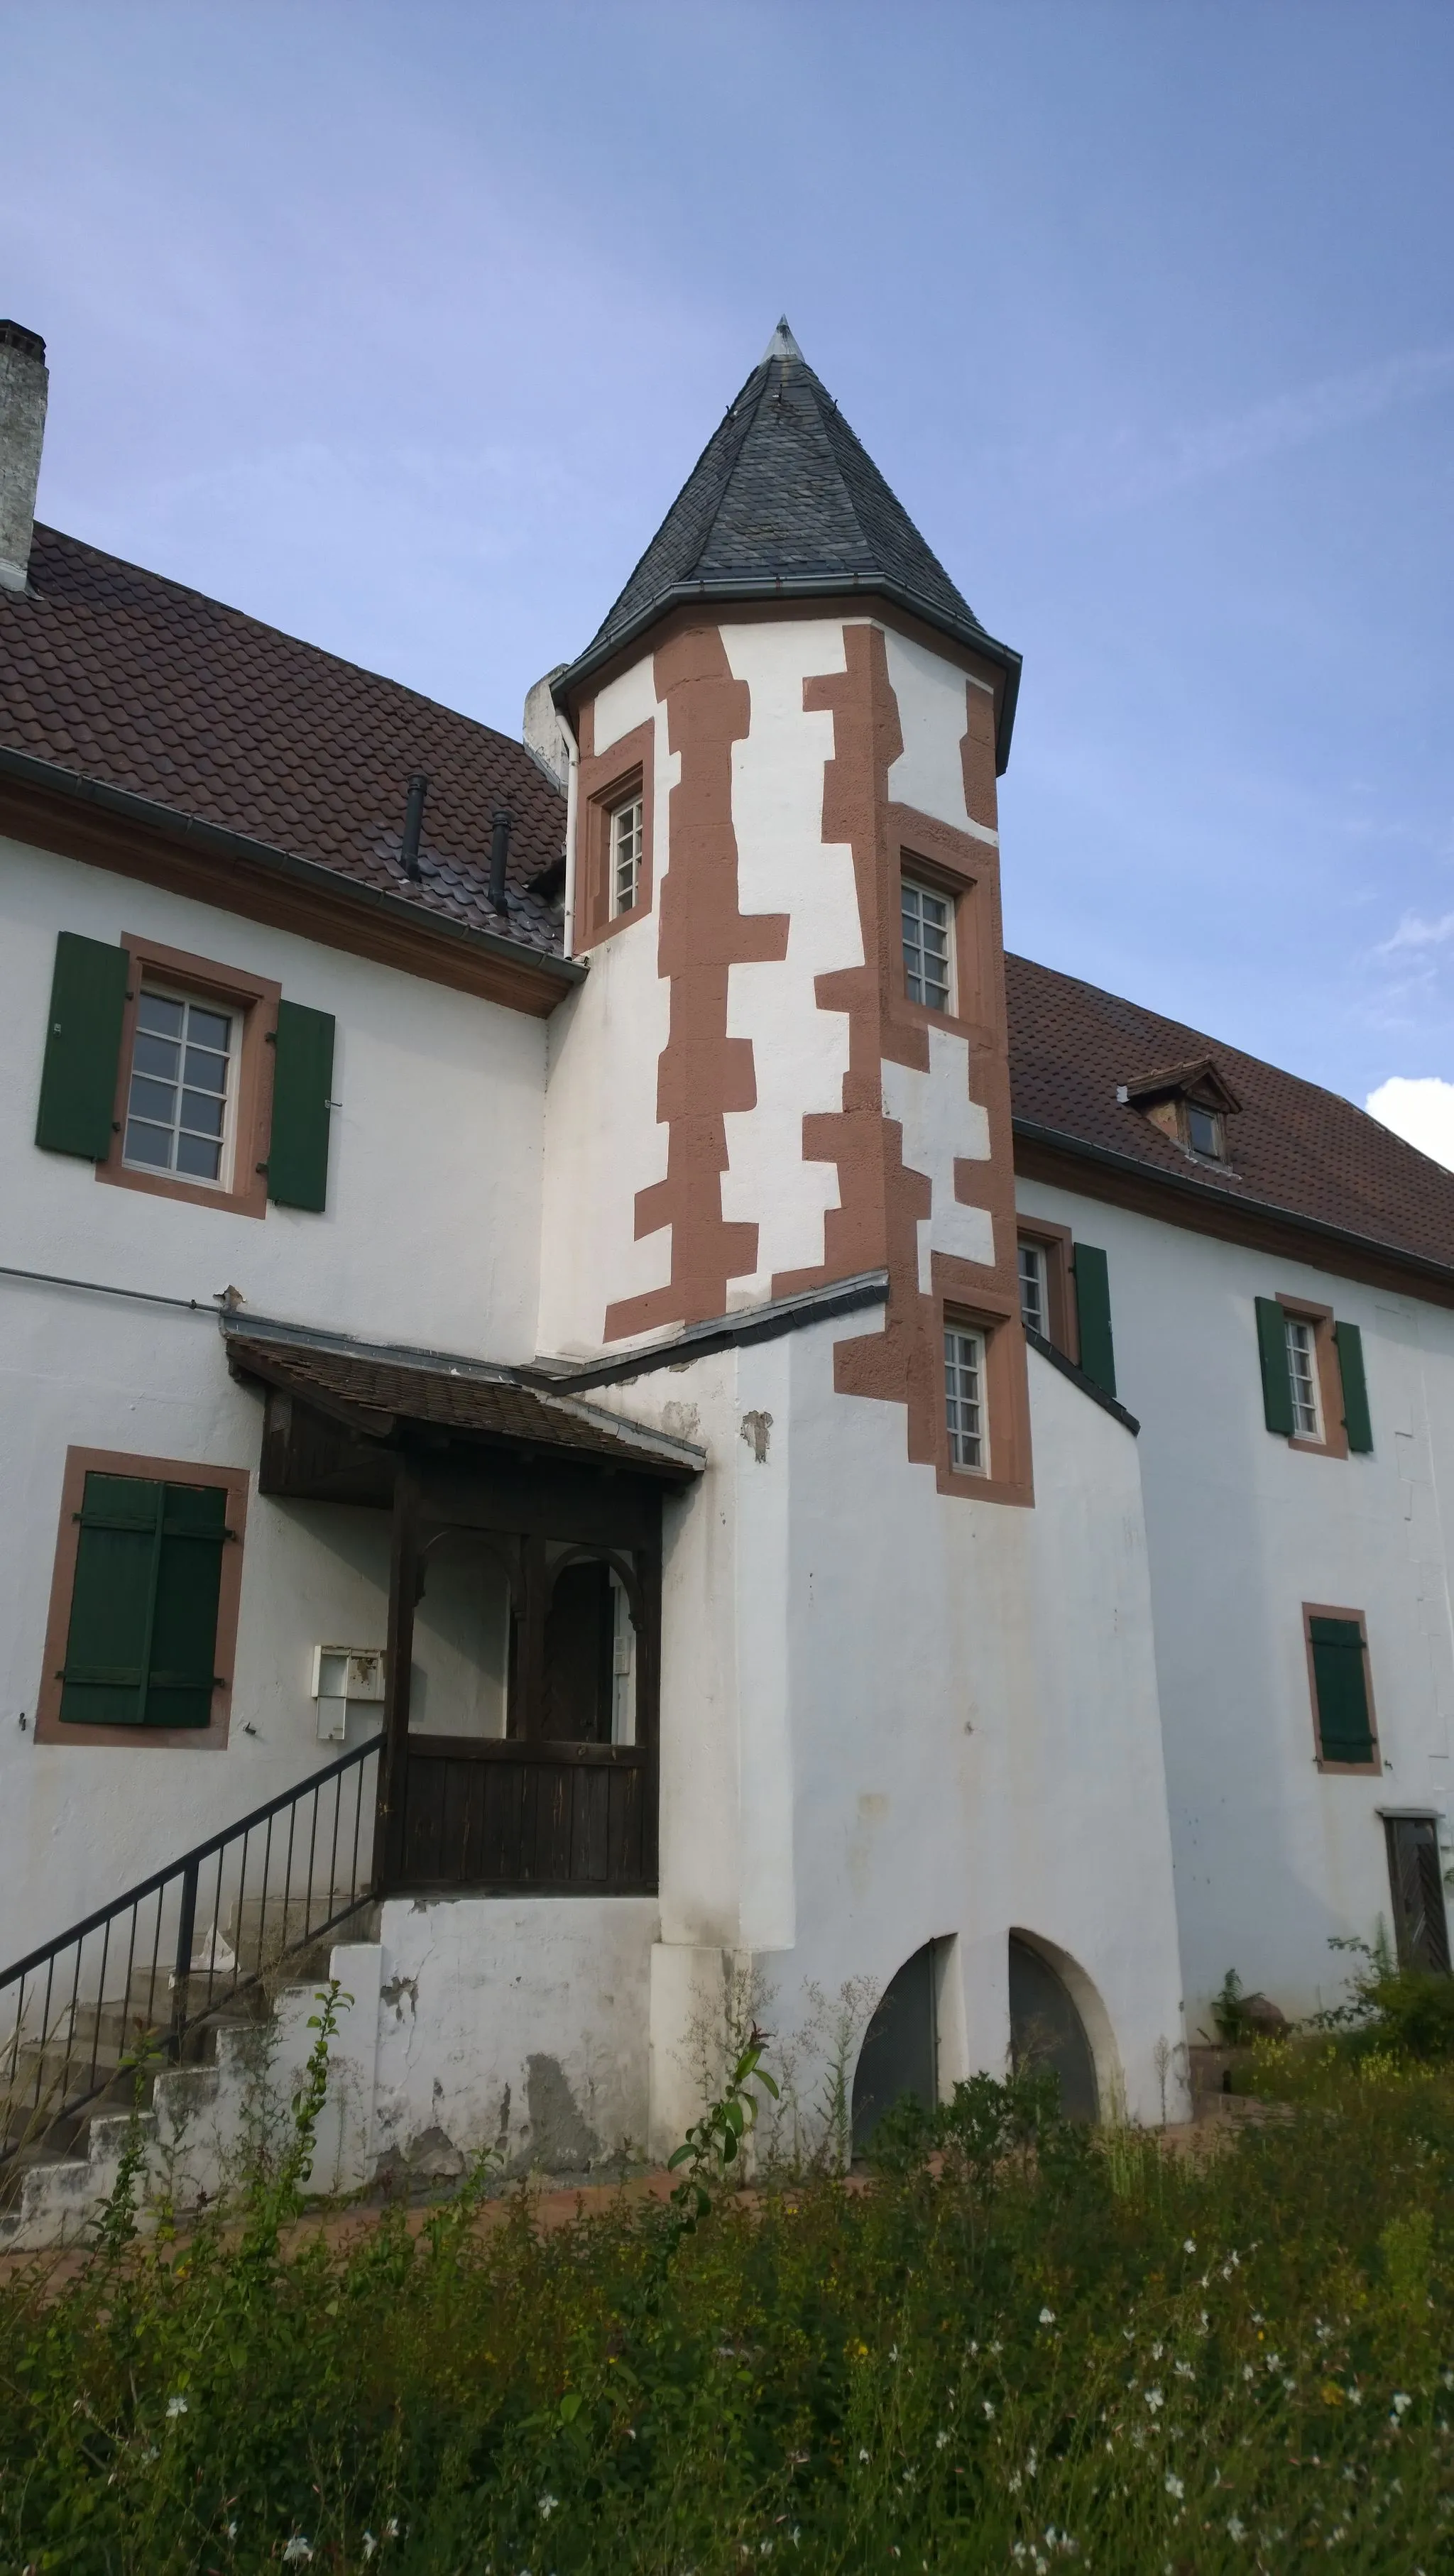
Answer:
[(252, 1000), (1331, 1440), (235, 1483), (1004, 1399), (1055, 1244), (621, 775)]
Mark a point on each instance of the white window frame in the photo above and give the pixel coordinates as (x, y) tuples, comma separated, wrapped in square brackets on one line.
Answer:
[(1302, 1370), (915, 919), (1033, 1263), (219, 1007), (966, 1406), (625, 850)]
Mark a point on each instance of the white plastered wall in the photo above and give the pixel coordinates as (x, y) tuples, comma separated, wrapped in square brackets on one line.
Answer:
[(1274, 1857), (604, 1142), (429, 1237), (784, 865), (900, 1718)]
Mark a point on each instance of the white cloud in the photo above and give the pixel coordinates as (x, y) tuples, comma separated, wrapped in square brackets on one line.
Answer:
[(1419, 1108), (1412, 932)]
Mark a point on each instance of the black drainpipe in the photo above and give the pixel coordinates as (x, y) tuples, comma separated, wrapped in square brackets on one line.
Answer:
[(413, 825), (499, 853)]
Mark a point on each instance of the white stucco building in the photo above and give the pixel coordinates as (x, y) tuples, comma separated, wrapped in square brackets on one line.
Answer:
[(862, 1479)]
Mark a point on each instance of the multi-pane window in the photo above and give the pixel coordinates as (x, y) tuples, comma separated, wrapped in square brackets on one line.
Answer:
[(1302, 1367), (626, 846), (964, 1399), (928, 919), (1034, 1299), (176, 1109)]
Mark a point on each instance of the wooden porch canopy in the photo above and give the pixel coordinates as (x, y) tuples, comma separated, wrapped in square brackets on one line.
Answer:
[(563, 1500)]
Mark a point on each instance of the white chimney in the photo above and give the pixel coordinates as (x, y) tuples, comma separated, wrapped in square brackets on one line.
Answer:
[(23, 383), (541, 730)]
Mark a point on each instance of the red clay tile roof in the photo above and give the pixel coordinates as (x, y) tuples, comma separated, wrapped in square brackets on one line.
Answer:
[(144, 685), (1292, 1147)]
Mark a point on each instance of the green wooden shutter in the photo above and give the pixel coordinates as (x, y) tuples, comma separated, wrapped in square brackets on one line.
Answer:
[(302, 1084), (82, 1048), (1345, 1731), (143, 1634), (1276, 1375), (1093, 1312), (1357, 1420)]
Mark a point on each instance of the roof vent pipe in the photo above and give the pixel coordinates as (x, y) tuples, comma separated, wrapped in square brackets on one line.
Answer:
[(499, 853), (414, 825), (23, 388)]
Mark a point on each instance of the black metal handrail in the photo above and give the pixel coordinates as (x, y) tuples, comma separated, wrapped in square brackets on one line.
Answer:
[(131, 1980)]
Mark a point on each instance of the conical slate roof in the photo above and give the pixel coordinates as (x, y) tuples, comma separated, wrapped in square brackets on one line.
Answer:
[(784, 502)]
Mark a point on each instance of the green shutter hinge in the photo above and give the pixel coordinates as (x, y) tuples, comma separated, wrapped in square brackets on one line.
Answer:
[(270, 1037)]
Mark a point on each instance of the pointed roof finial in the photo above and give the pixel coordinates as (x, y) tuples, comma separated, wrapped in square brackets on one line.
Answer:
[(781, 345)]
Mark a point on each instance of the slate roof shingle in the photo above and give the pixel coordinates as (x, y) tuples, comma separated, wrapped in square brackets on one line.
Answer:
[(1293, 1148), (785, 497), (140, 683)]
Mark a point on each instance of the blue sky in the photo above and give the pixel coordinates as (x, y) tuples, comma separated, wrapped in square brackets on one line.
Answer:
[(399, 324)]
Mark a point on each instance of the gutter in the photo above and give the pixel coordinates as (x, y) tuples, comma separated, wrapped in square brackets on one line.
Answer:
[(835, 585), (1198, 1194), (218, 842)]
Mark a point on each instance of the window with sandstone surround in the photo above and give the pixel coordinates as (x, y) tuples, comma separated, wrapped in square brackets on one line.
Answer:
[(1047, 1300), (1314, 1385), (195, 1081), (613, 866), (627, 833), (927, 914), (144, 1603)]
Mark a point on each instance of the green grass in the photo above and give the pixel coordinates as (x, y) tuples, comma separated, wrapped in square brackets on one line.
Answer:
[(1056, 2350)]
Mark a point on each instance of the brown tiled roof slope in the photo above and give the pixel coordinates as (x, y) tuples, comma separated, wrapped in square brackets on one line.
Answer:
[(460, 1400), (1292, 1147), (133, 680)]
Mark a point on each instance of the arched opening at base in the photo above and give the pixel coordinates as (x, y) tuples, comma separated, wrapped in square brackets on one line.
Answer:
[(1046, 2030), (900, 2052)]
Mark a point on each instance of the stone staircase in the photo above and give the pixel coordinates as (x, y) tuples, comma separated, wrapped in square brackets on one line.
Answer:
[(196, 2122)]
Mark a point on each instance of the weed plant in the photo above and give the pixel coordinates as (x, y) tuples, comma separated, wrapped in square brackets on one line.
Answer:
[(1026, 2346)]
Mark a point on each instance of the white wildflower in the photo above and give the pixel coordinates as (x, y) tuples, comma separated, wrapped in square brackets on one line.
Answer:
[(863, 2455), (1047, 2316), (1401, 2404), (1248, 2371), (1175, 2487), (1155, 2400), (1184, 2370), (1274, 2361), (176, 2406), (232, 2531), (370, 2544), (1236, 2527), (1189, 2245), (297, 2550), (940, 2439), (988, 2407), (1015, 2483), (548, 2504)]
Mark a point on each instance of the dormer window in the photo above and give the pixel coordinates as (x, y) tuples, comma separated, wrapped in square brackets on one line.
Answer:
[(1190, 1103), (1204, 1132)]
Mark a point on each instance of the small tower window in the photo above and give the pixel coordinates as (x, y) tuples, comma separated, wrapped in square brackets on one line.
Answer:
[(626, 845), (928, 919), (964, 1404)]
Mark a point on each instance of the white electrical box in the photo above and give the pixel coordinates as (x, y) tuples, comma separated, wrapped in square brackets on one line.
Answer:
[(341, 1674)]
